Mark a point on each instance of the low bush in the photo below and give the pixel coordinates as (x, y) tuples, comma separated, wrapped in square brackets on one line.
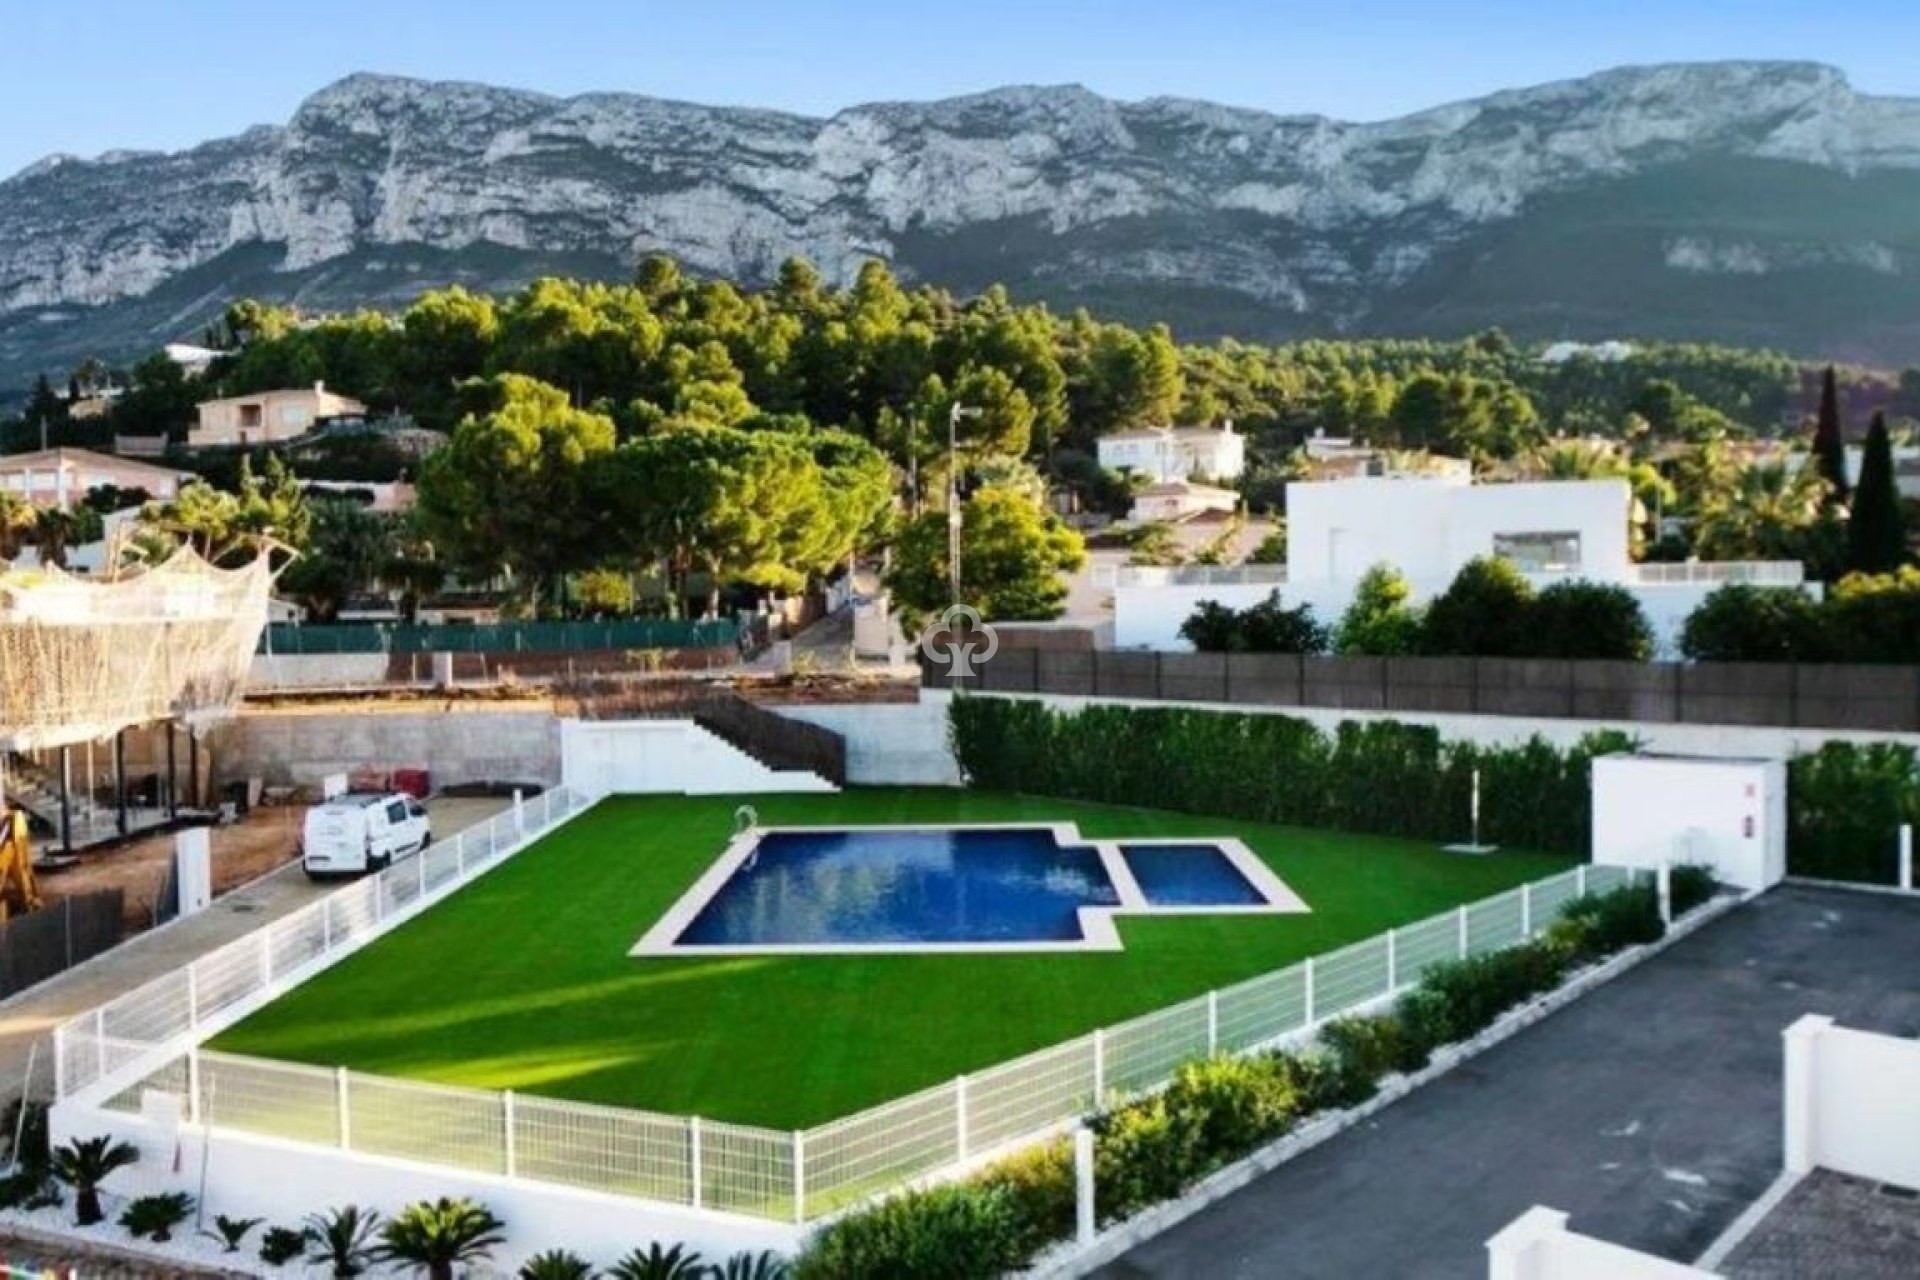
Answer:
[(659, 1262), (1457, 999), (765, 1265), (1234, 1105), (155, 1217), (1693, 885), (1371, 1047), (1600, 924), (281, 1245), (961, 1231), (1039, 1187), (556, 1264), (233, 1232), (1143, 1153)]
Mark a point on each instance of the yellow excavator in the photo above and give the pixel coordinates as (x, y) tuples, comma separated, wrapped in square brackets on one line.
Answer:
[(19, 893)]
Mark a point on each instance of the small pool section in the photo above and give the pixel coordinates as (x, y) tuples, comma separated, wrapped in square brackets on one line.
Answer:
[(938, 886), (1189, 875), (960, 888)]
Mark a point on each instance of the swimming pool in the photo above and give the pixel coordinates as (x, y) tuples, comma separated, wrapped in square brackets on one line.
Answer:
[(961, 888)]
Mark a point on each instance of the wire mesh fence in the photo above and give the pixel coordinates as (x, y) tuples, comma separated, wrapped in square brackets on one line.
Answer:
[(160, 1017), (797, 1175)]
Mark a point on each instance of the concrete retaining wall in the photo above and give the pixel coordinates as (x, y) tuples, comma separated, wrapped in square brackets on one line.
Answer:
[(889, 744), (459, 742)]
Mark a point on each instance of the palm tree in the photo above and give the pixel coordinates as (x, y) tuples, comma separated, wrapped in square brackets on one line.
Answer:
[(556, 1264), (656, 1263), (433, 1235), (1769, 513), (753, 1266), (343, 1239), (84, 1164), (17, 519), (56, 530)]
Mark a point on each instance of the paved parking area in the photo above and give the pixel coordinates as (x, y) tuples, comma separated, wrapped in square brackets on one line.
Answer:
[(1649, 1111)]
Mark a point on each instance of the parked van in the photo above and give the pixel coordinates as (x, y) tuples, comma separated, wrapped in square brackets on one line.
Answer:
[(363, 831)]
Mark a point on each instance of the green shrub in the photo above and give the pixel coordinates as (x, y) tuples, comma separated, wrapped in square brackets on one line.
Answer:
[(555, 1264), (1235, 1104), (1613, 921), (28, 1188), (960, 1231), (1381, 777), (281, 1245), (1319, 1080), (1372, 1047), (765, 1265), (1693, 886), (1457, 999), (659, 1262), (1845, 805), (1144, 1152), (233, 1232), (1039, 1187), (155, 1217)]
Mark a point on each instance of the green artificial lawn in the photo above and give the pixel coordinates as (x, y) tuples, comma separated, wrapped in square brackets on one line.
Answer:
[(522, 979)]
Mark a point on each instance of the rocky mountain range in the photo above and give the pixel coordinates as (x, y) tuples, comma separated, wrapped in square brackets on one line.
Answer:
[(1759, 203)]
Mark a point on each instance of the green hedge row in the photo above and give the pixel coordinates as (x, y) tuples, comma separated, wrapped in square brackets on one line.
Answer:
[(1219, 1110), (1381, 777), (1845, 805)]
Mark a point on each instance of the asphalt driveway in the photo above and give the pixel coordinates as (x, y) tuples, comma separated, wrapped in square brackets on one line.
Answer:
[(1649, 1111)]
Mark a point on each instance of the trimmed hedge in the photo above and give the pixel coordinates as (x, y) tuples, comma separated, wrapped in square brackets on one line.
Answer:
[(1220, 1110), (1845, 804), (1381, 777)]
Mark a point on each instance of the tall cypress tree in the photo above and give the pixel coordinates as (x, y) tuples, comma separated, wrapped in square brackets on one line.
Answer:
[(1876, 533), (1829, 449)]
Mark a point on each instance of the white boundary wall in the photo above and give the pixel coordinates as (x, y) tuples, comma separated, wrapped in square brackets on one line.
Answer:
[(1730, 815), (1538, 1246), (1852, 1102), (633, 757)]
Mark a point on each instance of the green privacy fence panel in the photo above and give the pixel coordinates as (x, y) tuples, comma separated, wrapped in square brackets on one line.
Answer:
[(503, 637)]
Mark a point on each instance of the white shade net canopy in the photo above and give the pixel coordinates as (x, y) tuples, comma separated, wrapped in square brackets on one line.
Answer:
[(81, 658)]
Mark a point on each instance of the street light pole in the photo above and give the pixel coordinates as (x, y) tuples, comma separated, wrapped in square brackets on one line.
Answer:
[(957, 412)]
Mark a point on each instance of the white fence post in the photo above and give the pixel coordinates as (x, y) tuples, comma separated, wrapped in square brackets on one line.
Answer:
[(1083, 1187), (519, 813), (1307, 968), (460, 854), (510, 1150), (1580, 880), (1906, 856), (193, 995), (420, 864), (799, 1176), (1461, 914), (696, 1173), (960, 1117), (1099, 1069), (193, 1084), (345, 1108), (1213, 1023), (1526, 911), (1663, 886), (1393, 960), (1799, 1089)]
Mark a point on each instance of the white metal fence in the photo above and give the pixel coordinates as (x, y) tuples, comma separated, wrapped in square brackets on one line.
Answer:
[(799, 1175), (159, 1019)]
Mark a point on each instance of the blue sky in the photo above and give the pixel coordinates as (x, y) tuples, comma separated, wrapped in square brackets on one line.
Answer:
[(87, 75)]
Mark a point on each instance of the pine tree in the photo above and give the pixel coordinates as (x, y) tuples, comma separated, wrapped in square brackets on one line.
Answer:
[(1876, 533), (1829, 447)]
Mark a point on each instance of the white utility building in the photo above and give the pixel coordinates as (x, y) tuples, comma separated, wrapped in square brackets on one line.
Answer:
[(1730, 815), (1429, 527)]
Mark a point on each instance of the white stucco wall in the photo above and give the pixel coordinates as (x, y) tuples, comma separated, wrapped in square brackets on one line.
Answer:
[(1852, 1102), (1538, 1246), (1429, 527), (1730, 815), (890, 744), (283, 1182)]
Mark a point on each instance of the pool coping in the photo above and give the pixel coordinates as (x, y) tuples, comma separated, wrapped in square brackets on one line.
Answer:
[(1098, 928)]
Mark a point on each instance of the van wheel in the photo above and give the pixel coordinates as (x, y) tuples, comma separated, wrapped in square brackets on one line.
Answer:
[(380, 863)]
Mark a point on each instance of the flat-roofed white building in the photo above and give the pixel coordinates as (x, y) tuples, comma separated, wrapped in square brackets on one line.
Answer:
[(1429, 528), (1176, 453)]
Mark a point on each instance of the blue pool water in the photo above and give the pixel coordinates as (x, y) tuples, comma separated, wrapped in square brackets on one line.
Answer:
[(1189, 875), (874, 887)]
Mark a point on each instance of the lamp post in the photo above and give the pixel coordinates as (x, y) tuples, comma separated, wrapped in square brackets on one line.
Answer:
[(954, 415)]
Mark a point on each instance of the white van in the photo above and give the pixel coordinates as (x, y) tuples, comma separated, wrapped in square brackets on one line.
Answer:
[(363, 831)]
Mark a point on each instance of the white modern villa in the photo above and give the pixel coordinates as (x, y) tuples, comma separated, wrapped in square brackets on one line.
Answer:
[(1173, 454), (1427, 528)]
